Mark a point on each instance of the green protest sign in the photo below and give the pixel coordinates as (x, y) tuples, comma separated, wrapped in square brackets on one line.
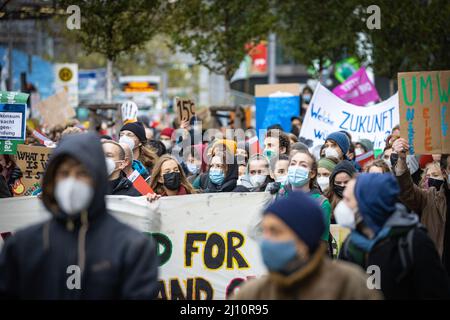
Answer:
[(13, 97), (9, 146)]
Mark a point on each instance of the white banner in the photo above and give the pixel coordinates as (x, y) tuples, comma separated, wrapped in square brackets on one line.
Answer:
[(327, 113), (207, 242)]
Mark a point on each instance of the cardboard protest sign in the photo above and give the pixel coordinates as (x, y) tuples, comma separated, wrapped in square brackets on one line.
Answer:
[(185, 109), (32, 161), (425, 111), (327, 113), (55, 110), (276, 104), (357, 89)]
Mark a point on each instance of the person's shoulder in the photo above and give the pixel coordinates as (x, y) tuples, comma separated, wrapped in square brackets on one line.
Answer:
[(252, 289), (124, 232), (347, 270)]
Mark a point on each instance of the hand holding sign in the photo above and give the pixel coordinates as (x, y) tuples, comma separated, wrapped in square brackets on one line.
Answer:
[(400, 146), (129, 111)]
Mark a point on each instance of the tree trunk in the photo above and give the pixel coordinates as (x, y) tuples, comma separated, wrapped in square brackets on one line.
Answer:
[(391, 87), (109, 66)]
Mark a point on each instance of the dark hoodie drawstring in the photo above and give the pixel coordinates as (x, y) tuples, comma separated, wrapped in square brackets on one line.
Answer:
[(82, 240)]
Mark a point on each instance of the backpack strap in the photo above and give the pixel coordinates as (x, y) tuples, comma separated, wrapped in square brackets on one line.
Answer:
[(405, 250)]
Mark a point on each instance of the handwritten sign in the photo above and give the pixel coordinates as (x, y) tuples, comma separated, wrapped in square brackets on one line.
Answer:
[(185, 109), (327, 113), (32, 161), (424, 110)]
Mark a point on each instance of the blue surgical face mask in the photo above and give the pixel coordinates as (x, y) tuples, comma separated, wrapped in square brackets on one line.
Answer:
[(269, 153), (216, 176), (298, 176), (193, 168), (276, 255)]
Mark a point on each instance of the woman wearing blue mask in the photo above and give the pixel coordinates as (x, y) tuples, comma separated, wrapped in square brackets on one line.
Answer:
[(222, 175), (295, 257), (302, 173)]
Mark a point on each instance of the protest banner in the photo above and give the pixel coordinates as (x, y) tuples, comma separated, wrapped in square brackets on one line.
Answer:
[(66, 79), (32, 161), (424, 111), (185, 109), (327, 113), (207, 256), (13, 109), (276, 104), (357, 89), (55, 110)]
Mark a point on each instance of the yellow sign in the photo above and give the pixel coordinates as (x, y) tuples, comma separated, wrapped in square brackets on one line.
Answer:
[(65, 74)]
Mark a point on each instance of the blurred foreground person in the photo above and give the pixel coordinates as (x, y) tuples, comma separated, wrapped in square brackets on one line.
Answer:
[(296, 258), (384, 235), (82, 252)]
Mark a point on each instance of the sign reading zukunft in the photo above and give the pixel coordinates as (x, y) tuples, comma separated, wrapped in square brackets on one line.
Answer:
[(13, 106), (424, 110)]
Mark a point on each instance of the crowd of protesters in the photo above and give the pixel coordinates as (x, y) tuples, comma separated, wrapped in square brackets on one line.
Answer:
[(396, 206)]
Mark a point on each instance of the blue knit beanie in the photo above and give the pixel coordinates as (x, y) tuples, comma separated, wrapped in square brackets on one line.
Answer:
[(376, 195), (303, 215), (341, 139)]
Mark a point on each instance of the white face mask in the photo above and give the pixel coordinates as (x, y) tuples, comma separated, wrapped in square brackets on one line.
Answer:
[(167, 144), (358, 151), (73, 195), (344, 215), (127, 140), (110, 166), (281, 179), (324, 183), (257, 180), (331, 152)]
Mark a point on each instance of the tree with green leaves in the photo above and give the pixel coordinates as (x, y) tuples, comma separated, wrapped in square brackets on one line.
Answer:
[(215, 32), (115, 27), (414, 36), (314, 32)]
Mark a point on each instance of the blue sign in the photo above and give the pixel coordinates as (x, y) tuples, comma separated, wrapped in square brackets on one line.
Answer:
[(276, 110), (12, 121)]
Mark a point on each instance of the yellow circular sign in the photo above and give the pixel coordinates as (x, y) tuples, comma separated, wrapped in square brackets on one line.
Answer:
[(65, 74)]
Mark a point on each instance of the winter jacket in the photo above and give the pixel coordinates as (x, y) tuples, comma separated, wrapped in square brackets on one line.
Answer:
[(114, 260), (434, 212), (320, 279), (413, 273), (123, 187)]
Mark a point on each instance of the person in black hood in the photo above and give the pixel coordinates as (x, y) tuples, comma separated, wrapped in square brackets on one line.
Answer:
[(82, 251), (116, 162), (222, 175)]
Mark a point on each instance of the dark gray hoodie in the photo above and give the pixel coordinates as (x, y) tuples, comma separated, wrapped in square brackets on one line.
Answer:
[(116, 261)]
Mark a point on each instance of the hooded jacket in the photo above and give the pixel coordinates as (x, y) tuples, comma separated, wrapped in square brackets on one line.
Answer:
[(424, 278), (110, 259)]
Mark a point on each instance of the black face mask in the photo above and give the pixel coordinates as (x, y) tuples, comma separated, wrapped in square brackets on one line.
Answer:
[(338, 190), (394, 159), (172, 180), (435, 183)]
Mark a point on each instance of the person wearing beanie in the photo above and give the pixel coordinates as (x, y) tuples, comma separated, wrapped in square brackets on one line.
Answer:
[(363, 146), (385, 235), (340, 176), (221, 144), (166, 138), (325, 167), (296, 259), (337, 145), (144, 157)]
